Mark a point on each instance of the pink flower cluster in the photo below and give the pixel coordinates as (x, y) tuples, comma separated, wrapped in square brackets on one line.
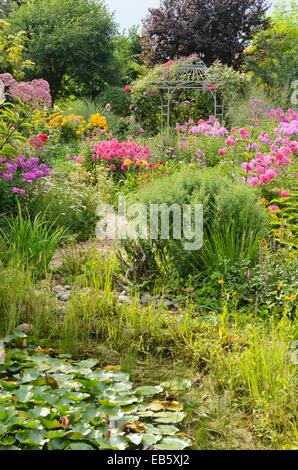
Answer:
[(122, 155), (264, 168), (212, 127), (35, 91)]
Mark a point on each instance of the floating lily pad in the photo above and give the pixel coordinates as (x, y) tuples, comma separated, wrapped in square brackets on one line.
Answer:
[(58, 404), (173, 443)]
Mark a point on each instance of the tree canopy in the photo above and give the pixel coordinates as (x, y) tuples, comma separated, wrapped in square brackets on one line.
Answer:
[(69, 40), (215, 29), (273, 54)]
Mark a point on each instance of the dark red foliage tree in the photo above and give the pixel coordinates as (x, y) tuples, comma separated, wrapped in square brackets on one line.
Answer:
[(215, 29)]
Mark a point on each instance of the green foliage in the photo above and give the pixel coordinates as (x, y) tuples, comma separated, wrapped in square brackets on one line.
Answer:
[(21, 301), (12, 48), (61, 404), (30, 243), (117, 98), (185, 104), (70, 38), (14, 123), (66, 200), (234, 222), (231, 84), (272, 57), (128, 51)]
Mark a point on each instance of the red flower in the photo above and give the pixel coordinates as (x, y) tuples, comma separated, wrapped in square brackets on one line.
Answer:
[(127, 89), (42, 137)]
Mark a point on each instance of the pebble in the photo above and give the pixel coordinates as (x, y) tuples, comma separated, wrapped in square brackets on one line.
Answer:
[(145, 299), (63, 296), (123, 299), (26, 328)]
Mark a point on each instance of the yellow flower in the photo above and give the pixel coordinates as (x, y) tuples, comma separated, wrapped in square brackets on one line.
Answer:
[(264, 242), (128, 162), (264, 202), (291, 298), (221, 282), (97, 120), (279, 287)]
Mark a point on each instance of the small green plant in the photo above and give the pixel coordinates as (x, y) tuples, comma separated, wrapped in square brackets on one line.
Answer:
[(30, 243)]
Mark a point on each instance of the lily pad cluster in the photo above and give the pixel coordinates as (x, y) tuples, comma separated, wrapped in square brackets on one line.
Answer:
[(50, 401)]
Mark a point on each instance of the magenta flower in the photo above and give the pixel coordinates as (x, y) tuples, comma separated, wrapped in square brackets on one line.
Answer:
[(20, 191), (273, 208), (244, 133), (254, 182), (284, 193)]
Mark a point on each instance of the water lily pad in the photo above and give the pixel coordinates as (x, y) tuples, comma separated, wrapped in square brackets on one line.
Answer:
[(25, 393), (168, 430), (135, 438), (158, 405), (173, 443), (153, 390), (31, 437), (80, 446), (168, 417)]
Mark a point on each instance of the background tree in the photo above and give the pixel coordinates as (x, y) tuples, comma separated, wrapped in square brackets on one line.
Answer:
[(12, 48), (7, 5), (128, 53), (71, 43), (273, 54), (215, 29)]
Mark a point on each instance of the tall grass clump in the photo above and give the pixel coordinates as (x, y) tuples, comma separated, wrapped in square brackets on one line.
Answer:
[(30, 243), (21, 302)]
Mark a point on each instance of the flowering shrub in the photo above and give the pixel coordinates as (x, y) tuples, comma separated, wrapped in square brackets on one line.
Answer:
[(35, 92), (185, 104), (122, 156), (211, 127), (72, 126), (21, 171), (264, 155), (38, 141), (16, 113), (265, 167), (68, 199)]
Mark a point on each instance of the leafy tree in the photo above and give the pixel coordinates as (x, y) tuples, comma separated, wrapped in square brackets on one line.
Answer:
[(7, 5), (128, 53), (215, 29), (273, 54), (12, 51), (70, 41)]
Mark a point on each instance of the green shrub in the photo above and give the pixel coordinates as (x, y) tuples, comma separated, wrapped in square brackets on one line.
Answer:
[(234, 223), (117, 98), (67, 200)]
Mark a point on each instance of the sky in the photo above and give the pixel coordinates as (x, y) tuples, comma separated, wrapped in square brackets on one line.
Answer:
[(130, 12)]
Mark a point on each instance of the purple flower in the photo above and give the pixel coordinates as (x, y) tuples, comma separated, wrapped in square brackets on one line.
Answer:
[(20, 191)]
